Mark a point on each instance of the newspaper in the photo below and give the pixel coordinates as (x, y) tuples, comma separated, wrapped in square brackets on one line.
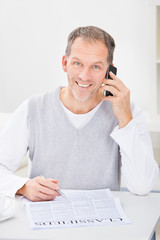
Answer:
[(81, 208)]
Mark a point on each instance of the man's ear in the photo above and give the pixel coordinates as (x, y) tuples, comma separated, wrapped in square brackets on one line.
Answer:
[(64, 63)]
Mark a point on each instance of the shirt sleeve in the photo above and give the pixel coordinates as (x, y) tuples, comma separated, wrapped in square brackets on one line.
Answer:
[(139, 169), (13, 147)]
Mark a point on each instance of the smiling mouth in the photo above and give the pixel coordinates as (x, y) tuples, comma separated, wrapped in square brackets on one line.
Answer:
[(84, 86)]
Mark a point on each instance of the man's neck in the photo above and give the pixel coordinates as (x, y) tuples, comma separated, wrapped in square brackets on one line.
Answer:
[(76, 106)]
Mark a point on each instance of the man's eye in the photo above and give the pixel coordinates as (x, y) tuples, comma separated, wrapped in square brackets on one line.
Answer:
[(77, 64), (96, 67)]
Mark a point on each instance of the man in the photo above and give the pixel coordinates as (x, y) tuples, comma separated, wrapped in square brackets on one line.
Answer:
[(76, 137)]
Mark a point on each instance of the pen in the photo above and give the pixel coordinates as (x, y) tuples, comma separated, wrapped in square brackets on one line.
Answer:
[(58, 191)]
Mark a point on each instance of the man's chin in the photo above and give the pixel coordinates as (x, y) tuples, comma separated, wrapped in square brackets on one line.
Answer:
[(82, 98)]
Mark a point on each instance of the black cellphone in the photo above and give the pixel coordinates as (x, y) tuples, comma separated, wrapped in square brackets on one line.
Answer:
[(107, 76)]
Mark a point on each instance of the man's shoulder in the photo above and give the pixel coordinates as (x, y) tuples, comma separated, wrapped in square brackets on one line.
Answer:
[(43, 102), (43, 95)]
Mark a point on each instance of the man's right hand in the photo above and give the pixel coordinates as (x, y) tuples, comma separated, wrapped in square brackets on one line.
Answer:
[(39, 189)]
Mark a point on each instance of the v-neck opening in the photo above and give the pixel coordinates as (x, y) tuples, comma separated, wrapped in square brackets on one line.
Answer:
[(60, 107)]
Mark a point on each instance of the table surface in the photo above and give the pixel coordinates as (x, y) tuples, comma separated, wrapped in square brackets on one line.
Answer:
[(142, 211)]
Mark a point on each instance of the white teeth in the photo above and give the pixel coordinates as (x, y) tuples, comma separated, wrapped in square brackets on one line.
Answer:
[(81, 85)]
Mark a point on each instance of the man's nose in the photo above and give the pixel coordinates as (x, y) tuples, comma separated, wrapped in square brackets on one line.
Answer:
[(85, 74)]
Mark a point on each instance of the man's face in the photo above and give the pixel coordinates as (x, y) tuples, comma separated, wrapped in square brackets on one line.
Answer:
[(86, 67)]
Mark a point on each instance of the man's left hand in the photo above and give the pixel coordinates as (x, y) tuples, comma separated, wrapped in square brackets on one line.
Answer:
[(120, 99)]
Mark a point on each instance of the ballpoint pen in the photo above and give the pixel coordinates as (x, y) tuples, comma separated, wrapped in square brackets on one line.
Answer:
[(61, 193), (58, 191)]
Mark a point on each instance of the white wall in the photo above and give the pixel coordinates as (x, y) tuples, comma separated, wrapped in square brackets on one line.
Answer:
[(33, 36)]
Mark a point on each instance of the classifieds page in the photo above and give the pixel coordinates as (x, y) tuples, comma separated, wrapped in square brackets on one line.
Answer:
[(78, 209)]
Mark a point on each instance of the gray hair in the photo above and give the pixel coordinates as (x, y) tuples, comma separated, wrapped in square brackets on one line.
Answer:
[(91, 33)]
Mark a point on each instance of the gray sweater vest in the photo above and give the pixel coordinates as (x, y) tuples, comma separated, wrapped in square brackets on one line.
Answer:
[(85, 158)]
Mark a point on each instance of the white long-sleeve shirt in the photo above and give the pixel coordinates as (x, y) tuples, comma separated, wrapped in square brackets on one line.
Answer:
[(139, 169)]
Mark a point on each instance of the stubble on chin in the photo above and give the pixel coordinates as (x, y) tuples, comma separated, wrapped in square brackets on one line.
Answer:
[(82, 99)]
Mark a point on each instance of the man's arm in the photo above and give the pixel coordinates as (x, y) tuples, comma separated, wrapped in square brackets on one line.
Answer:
[(13, 147), (139, 169)]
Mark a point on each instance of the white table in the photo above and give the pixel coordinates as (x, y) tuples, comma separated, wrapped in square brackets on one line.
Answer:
[(143, 212)]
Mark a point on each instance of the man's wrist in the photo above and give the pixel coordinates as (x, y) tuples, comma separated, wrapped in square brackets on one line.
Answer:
[(124, 122), (21, 191)]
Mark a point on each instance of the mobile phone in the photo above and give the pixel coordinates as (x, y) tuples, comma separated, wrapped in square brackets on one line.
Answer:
[(114, 70)]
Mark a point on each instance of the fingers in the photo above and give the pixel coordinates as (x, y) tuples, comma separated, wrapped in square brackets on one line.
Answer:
[(115, 81), (38, 196), (40, 189), (113, 90), (115, 86), (113, 76), (49, 183), (47, 188), (44, 197), (120, 99)]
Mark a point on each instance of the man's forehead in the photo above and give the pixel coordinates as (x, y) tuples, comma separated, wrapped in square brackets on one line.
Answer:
[(89, 48), (82, 42)]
